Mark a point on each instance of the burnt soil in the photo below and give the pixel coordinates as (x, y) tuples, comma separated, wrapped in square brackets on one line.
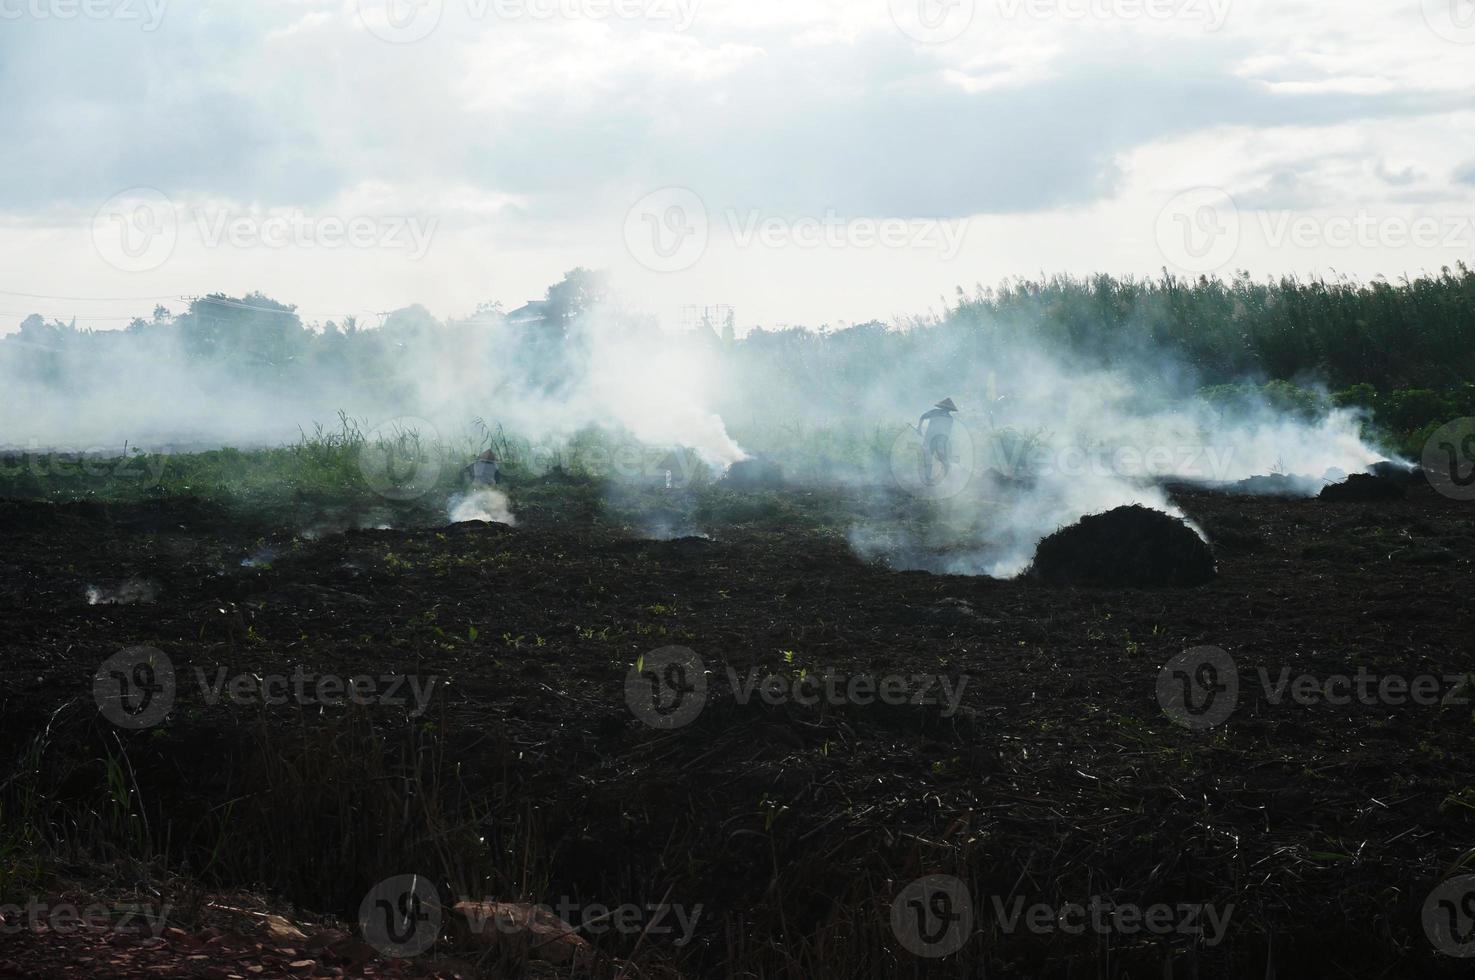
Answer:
[(1059, 779)]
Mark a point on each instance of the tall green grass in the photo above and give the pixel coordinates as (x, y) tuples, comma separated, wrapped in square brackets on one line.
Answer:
[(1412, 333)]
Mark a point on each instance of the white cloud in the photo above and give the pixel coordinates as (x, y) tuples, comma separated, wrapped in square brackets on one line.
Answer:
[(529, 131)]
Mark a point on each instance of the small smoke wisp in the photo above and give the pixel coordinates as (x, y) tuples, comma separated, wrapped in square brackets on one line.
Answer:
[(491, 506), (261, 558), (127, 593), (668, 531)]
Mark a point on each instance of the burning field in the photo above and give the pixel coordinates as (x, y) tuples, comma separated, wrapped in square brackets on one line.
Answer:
[(594, 651), (687, 727), (750, 489)]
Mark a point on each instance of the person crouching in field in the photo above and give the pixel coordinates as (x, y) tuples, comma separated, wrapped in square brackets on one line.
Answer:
[(936, 440), (483, 471)]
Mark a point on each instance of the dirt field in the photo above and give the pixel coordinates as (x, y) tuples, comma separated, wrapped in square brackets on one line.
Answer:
[(1315, 832)]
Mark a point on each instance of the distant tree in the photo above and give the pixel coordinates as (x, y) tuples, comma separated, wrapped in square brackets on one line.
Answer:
[(255, 332), (412, 325), (580, 291)]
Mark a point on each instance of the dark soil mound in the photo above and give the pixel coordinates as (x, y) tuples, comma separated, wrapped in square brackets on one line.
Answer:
[(1365, 487), (1128, 546), (1275, 485), (1397, 473), (754, 474)]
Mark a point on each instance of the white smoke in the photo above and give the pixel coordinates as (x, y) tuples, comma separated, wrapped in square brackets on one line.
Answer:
[(1043, 438), (126, 593), (491, 506)]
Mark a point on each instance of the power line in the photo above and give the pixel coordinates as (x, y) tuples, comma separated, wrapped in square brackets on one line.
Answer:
[(215, 301), (90, 299), (69, 316)]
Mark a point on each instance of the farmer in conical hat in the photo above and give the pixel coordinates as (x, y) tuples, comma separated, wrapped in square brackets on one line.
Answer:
[(936, 440), (484, 471)]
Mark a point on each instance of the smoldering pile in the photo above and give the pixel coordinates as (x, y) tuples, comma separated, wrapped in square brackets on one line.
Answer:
[(483, 505), (1382, 482), (1133, 546), (756, 473)]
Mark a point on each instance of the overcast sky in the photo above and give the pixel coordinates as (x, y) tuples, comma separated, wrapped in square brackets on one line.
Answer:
[(804, 161)]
